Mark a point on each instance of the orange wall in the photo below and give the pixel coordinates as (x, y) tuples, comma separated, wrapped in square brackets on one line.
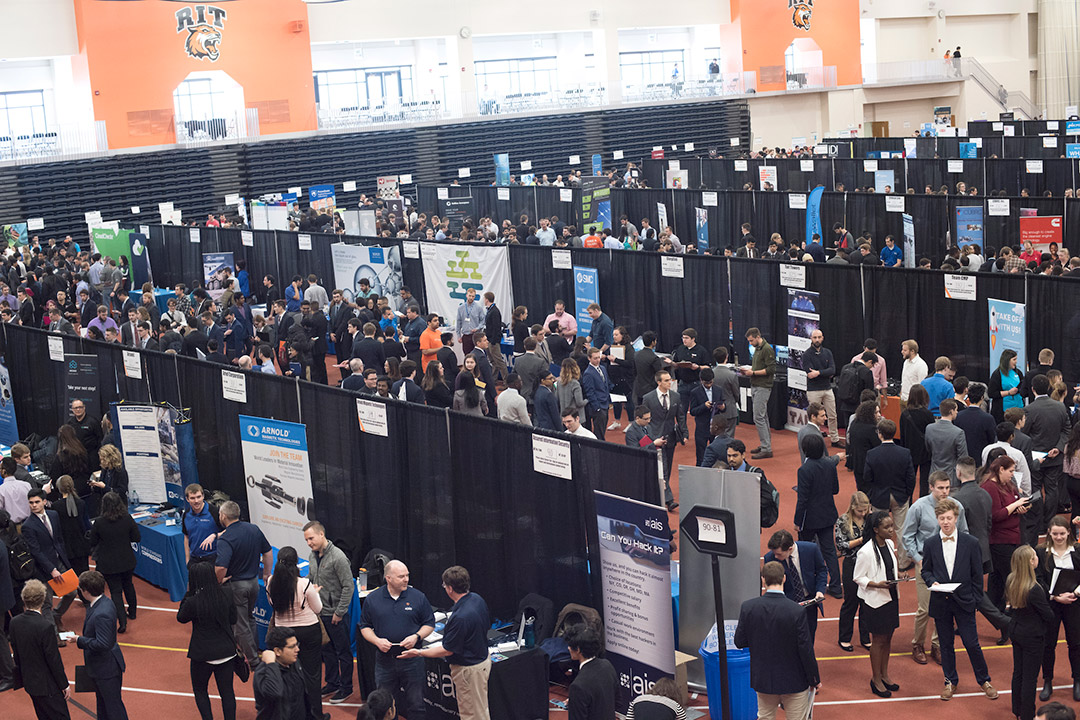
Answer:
[(767, 31), (136, 59)]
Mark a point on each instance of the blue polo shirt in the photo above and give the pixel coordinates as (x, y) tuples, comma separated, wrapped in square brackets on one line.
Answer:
[(198, 527), (938, 388), (889, 256), (393, 619), (465, 634), (240, 547)]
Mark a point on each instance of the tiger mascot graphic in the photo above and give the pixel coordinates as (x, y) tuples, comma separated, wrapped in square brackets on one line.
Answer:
[(801, 12), (202, 42)]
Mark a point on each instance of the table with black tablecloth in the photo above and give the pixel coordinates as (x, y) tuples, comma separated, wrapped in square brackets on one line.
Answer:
[(160, 558), (778, 402), (517, 689)]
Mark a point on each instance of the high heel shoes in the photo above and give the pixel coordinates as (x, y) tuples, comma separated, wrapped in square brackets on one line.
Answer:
[(892, 687), (880, 693), (846, 648)]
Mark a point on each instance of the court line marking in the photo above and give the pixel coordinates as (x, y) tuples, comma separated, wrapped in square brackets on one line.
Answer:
[(920, 697)]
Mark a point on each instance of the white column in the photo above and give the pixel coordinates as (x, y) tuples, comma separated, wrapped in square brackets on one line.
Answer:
[(606, 52)]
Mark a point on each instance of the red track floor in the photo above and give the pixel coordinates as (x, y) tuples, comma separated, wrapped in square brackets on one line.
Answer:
[(157, 677)]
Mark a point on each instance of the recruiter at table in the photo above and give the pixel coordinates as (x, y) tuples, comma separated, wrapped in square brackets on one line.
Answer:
[(200, 525), (396, 618)]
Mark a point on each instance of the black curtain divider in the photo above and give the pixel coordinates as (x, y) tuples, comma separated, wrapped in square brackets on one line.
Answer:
[(840, 305), (1053, 321), (442, 488), (756, 302)]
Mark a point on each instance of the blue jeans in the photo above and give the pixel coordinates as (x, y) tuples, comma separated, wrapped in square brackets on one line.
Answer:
[(337, 654), (405, 679)]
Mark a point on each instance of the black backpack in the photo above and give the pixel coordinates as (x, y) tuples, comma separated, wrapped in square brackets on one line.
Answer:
[(849, 384), (770, 499), (20, 561)]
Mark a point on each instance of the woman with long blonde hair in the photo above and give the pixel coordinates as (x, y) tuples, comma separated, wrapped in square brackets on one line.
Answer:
[(1031, 617), (848, 535)]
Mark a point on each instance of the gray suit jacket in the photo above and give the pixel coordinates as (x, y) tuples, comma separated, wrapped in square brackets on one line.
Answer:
[(530, 367), (946, 444), (1048, 427), (977, 505), (664, 421), (726, 379), (810, 429)]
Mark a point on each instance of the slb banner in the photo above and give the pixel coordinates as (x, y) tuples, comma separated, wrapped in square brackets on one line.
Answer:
[(586, 292)]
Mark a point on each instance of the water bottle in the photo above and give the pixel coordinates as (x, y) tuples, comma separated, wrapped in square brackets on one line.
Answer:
[(361, 580), (134, 496), (530, 633)]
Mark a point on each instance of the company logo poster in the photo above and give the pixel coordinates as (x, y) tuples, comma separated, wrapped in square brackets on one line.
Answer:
[(1041, 231), (969, 226), (635, 570), (278, 478), (321, 198), (9, 427), (450, 271), (595, 204), (380, 266), (1007, 322), (216, 267), (586, 292)]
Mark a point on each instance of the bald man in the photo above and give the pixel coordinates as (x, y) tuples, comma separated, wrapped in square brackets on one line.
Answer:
[(397, 617)]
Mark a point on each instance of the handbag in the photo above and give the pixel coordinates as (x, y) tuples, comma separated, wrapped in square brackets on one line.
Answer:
[(322, 626), (240, 666)]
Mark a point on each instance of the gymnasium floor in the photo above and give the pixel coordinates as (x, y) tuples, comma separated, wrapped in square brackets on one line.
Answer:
[(157, 675)]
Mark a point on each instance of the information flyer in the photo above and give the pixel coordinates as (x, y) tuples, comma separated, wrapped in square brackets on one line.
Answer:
[(142, 451), (278, 478), (635, 570)]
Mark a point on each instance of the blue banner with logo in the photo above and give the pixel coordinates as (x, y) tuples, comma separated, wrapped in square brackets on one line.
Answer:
[(9, 428), (969, 150), (635, 571), (1008, 326), (322, 199), (702, 228), (597, 165), (278, 478), (586, 292), (1072, 150), (969, 225), (1072, 127), (502, 168), (813, 213)]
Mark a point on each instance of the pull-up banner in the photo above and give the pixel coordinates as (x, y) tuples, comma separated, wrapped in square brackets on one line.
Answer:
[(586, 292), (635, 570), (83, 383), (1007, 322), (278, 478), (813, 214)]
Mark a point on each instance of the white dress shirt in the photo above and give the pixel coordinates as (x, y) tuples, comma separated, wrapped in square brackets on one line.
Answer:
[(914, 372), (1022, 475), (948, 549)]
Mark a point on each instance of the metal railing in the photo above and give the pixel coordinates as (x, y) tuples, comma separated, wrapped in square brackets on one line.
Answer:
[(720, 85), (385, 114), (243, 125), (67, 142), (579, 97)]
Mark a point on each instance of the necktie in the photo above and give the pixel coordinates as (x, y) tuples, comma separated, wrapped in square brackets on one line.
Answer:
[(797, 586), (48, 525), (663, 401)]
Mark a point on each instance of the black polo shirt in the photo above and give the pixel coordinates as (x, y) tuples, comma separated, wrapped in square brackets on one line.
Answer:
[(393, 619)]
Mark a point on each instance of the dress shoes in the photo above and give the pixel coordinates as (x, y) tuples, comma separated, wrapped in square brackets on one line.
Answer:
[(918, 654), (935, 654), (1076, 691), (761, 454), (989, 690), (879, 693), (1047, 690)]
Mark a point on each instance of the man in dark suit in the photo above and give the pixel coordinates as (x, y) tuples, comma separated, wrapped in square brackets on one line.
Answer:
[(406, 388), (960, 562), (235, 333), (214, 354), (368, 349), (58, 324), (314, 323), (146, 337), (7, 601), (45, 540), (706, 402), (646, 364), (1048, 426), (128, 331), (104, 661), (727, 382), (889, 479), (978, 425), (668, 423), (212, 330), (546, 412), (1031, 524), (37, 658), (592, 694), (806, 575), (479, 351), (194, 340), (531, 368), (749, 248), (596, 386), (782, 664), (493, 328), (815, 509)]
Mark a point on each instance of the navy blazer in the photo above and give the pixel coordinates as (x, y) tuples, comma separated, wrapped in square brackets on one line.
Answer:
[(703, 415), (817, 485), (781, 653), (979, 429), (546, 413), (815, 576), (967, 570), (413, 392), (98, 642), (597, 389), (48, 551), (7, 592), (888, 473)]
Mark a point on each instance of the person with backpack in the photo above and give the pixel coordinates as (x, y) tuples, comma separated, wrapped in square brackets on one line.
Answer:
[(854, 377), (770, 498)]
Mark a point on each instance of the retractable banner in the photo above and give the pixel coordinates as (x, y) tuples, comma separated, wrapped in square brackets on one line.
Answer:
[(909, 241), (813, 214), (322, 199), (9, 427), (278, 478), (502, 168), (216, 267), (586, 292), (1007, 322), (83, 382), (969, 225), (380, 266), (803, 320), (702, 228), (635, 570), (595, 204), (140, 437)]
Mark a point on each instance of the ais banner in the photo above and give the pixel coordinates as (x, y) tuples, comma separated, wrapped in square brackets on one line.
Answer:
[(969, 225), (278, 478), (9, 427), (381, 267), (813, 214), (635, 570), (586, 292), (450, 271), (1008, 326), (1040, 231), (702, 228), (595, 204)]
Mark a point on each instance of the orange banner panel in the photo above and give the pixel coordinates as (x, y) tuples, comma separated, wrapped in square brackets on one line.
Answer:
[(137, 52)]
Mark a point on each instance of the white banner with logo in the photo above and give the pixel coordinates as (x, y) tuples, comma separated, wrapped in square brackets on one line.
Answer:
[(278, 478), (449, 272), (380, 266)]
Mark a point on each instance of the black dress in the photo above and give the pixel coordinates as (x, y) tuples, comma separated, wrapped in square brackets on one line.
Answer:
[(882, 620)]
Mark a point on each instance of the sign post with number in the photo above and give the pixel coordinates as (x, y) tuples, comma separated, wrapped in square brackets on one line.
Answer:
[(712, 532)]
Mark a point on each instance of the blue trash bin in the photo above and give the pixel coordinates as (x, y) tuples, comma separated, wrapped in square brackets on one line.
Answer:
[(743, 698)]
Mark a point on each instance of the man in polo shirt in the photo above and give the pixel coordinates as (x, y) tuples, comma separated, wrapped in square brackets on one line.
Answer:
[(239, 546), (200, 526), (395, 618), (465, 644)]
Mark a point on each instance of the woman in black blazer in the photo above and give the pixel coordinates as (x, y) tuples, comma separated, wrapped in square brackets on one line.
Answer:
[(112, 478), (913, 422), (815, 509), (621, 372), (1031, 617), (74, 524), (1059, 553), (862, 437), (212, 616), (436, 391), (111, 537)]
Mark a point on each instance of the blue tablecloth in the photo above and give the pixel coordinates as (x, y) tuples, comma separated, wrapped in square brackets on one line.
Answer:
[(162, 297), (159, 558)]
